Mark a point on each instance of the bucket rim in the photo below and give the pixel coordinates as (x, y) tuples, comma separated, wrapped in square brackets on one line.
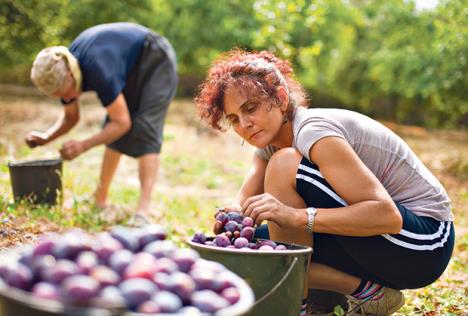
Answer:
[(303, 249), (35, 162)]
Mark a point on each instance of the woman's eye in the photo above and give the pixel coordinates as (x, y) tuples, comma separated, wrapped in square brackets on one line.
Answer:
[(251, 108)]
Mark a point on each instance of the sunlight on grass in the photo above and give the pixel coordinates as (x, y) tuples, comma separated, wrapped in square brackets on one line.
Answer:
[(200, 171)]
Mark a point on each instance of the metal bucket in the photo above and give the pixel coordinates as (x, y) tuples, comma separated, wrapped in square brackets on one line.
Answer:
[(21, 303), (39, 181), (276, 277)]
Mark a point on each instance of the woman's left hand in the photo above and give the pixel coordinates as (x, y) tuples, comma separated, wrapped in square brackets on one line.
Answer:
[(72, 149), (267, 207)]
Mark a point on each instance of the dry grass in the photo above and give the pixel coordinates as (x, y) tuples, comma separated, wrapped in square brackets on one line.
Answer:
[(199, 170)]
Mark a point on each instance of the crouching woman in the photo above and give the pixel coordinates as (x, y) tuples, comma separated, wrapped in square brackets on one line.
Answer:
[(379, 220)]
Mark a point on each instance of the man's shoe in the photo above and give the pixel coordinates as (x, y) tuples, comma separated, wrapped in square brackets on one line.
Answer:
[(389, 301)]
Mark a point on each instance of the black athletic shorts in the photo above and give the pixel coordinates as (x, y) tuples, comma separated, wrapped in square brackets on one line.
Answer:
[(413, 258)]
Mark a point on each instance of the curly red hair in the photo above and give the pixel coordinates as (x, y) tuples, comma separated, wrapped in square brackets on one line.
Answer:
[(258, 73)]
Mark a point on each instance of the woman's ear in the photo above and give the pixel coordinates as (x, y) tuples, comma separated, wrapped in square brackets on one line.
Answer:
[(283, 95)]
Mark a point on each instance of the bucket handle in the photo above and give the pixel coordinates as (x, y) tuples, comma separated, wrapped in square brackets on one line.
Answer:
[(280, 282)]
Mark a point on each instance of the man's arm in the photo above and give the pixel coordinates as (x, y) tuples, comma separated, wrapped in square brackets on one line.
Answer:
[(119, 124), (71, 116)]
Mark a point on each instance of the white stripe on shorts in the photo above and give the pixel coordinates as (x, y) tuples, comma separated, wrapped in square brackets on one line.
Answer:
[(311, 170), (420, 247), (392, 239), (424, 236), (322, 187)]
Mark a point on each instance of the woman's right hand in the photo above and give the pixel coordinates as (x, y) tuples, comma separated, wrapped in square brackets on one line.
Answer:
[(218, 226), (34, 139)]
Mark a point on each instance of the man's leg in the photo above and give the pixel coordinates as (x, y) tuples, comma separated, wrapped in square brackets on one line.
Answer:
[(110, 161), (148, 166)]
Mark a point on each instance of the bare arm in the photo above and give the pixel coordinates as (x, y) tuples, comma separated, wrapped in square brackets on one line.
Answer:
[(71, 115), (254, 180), (371, 210), (253, 185), (119, 124)]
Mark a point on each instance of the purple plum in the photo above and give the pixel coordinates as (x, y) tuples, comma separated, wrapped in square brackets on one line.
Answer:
[(150, 233), (185, 258), (127, 237), (231, 226), (160, 248), (120, 260), (181, 284), (46, 290), (61, 270), (281, 247), (104, 275), (80, 288), (267, 242), (231, 294), (241, 242), (248, 222), (235, 216), (167, 301), (248, 233), (222, 217), (105, 245), (199, 238), (86, 260), (149, 307), (110, 297), (222, 241), (19, 275), (208, 301), (136, 291)]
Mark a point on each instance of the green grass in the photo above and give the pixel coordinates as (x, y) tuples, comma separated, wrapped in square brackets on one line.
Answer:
[(199, 171)]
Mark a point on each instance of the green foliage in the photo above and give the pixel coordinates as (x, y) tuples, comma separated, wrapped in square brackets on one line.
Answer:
[(384, 58), (28, 26)]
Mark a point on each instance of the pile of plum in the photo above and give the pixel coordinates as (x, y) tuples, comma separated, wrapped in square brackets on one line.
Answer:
[(237, 232), (134, 269)]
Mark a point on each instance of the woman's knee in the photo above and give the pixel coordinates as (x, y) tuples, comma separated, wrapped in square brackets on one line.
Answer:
[(283, 165)]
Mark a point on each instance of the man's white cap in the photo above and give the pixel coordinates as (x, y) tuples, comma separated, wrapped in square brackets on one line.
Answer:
[(50, 69)]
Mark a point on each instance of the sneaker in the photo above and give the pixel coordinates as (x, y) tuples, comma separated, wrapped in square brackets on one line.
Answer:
[(139, 220), (390, 301)]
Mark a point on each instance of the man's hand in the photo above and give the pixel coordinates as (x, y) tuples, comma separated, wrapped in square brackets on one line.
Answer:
[(72, 149), (34, 139)]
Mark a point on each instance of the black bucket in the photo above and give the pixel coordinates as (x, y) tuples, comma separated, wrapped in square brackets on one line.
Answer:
[(276, 277), (39, 181)]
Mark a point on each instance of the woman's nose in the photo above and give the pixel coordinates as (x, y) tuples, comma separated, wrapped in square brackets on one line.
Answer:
[(245, 122)]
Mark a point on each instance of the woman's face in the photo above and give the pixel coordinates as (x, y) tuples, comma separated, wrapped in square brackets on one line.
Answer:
[(257, 122)]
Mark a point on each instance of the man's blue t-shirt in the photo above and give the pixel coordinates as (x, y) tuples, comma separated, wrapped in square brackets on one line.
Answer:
[(107, 54)]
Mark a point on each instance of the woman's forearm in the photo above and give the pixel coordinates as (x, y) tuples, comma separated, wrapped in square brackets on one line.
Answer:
[(254, 181), (367, 218)]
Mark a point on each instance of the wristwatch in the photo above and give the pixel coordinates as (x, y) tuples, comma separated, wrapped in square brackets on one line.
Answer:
[(311, 212)]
